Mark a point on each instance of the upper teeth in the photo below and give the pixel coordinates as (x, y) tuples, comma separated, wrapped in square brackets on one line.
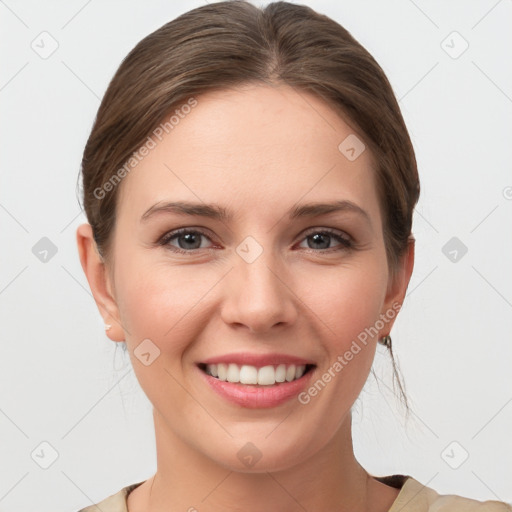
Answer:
[(264, 376)]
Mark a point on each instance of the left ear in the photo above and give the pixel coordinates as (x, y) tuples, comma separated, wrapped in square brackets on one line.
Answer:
[(397, 286)]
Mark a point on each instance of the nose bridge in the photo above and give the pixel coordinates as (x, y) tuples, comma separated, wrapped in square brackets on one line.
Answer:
[(260, 296), (262, 279)]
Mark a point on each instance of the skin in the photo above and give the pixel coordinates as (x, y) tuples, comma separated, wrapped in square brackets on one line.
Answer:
[(257, 151)]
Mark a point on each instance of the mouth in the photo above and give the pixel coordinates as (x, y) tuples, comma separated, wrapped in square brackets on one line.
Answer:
[(256, 381), (249, 375)]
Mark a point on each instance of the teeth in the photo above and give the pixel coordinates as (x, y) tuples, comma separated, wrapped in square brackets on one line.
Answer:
[(222, 370), (233, 374), (248, 375), (281, 373), (264, 376)]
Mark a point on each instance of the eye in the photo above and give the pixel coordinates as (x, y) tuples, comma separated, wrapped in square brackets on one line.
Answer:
[(187, 240), (321, 239)]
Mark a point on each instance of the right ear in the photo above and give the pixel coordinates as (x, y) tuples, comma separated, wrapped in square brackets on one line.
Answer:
[(99, 281)]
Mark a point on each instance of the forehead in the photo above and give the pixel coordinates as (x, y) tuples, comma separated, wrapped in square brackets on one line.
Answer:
[(255, 149)]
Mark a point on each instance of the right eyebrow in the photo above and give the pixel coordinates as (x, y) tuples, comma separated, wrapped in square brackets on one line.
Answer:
[(212, 211)]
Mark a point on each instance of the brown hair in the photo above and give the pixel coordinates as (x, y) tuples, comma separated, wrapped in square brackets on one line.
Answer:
[(231, 43)]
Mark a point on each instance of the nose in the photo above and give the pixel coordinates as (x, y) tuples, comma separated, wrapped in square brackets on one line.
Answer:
[(259, 296)]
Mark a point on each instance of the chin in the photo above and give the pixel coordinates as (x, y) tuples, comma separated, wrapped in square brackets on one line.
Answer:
[(254, 452)]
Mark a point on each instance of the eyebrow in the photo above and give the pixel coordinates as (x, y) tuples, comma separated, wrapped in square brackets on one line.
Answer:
[(217, 212)]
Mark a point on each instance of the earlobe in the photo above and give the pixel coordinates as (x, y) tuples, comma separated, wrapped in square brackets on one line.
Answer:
[(97, 276)]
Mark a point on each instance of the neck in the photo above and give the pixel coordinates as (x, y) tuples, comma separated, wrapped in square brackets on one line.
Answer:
[(332, 479)]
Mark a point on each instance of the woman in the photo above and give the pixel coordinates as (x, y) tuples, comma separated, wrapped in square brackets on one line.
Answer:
[(249, 184)]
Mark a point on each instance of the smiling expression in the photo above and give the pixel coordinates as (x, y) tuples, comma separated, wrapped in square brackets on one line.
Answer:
[(246, 243)]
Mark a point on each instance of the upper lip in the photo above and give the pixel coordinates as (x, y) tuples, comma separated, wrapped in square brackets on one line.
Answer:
[(257, 360)]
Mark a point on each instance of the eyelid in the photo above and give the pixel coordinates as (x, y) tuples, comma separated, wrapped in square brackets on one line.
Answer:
[(329, 231), (345, 241), (169, 235)]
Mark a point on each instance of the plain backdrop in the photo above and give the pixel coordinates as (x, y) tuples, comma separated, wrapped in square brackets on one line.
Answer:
[(75, 426)]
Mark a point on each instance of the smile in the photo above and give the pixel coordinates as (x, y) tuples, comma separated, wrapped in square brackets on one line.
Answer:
[(256, 381), (251, 375)]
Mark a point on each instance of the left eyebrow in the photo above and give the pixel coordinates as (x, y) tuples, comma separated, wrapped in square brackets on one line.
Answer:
[(317, 209), (217, 212)]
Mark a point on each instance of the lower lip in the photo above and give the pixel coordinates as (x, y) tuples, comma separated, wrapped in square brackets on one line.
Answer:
[(257, 397)]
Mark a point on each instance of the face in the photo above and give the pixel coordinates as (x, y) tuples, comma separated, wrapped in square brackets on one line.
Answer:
[(272, 290)]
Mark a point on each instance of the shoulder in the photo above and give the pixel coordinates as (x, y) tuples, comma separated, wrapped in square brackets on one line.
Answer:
[(114, 503), (416, 497)]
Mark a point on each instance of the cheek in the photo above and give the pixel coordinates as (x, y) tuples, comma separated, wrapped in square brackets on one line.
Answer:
[(161, 302), (347, 306), (347, 301)]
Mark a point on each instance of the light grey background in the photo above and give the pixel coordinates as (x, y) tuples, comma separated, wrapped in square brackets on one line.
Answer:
[(62, 381)]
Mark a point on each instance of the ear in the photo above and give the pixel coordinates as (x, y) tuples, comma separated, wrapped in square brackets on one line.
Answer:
[(397, 287), (99, 281)]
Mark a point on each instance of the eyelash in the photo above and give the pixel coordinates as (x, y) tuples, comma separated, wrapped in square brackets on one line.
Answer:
[(346, 244)]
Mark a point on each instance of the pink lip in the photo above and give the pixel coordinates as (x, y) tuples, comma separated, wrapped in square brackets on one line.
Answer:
[(257, 360), (257, 397)]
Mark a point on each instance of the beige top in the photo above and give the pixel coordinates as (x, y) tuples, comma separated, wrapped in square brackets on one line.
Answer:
[(413, 497)]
